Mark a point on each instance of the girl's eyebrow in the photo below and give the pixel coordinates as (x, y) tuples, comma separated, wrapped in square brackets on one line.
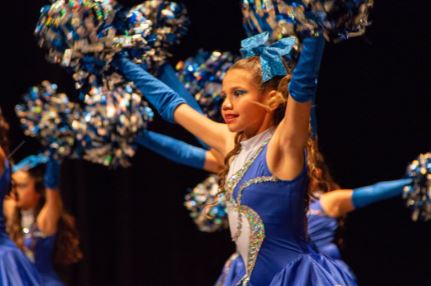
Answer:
[(234, 88), (237, 87)]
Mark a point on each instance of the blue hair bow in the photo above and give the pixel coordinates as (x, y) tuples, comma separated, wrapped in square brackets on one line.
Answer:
[(271, 56), (30, 162)]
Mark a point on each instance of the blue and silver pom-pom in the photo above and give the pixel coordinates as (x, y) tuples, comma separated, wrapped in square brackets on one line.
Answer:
[(169, 23), (336, 19), (418, 195), (133, 29), (78, 34), (48, 116), (114, 114), (207, 207), (203, 75), (102, 132), (84, 35)]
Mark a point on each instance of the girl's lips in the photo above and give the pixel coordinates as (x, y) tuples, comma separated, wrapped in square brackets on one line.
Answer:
[(229, 118)]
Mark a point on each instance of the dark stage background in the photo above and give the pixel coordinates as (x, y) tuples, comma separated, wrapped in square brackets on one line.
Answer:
[(374, 118)]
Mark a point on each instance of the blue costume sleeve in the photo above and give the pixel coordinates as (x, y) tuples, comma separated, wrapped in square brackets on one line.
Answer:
[(365, 196), (173, 149)]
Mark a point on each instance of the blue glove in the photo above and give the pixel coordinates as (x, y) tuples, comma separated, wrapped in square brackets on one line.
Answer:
[(173, 149), (52, 174), (303, 85), (170, 78), (164, 99), (365, 196)]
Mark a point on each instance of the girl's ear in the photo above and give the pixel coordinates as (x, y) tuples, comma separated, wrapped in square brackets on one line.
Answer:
[(275, 99)]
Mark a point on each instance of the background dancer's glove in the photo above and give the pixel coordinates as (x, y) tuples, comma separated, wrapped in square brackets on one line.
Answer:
[(52, 174), (172, 149), (365, 196)]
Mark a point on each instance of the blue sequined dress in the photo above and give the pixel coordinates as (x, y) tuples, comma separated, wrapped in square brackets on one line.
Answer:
[(15, 268), (267, 221)]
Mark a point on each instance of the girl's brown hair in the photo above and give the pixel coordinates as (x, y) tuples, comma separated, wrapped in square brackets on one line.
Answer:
[(4, 130), (321, 180), (67, 246)]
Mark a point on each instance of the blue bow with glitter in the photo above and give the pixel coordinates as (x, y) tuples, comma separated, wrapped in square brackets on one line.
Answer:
[(271, 56), (30, 162)]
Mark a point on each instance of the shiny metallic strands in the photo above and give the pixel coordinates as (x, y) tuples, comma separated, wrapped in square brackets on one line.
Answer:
[(337, 19), (114, 114), (207, 207), (72, 30), (48, 116), (169, 23), (84, 36), (418, 194), (103, 131)]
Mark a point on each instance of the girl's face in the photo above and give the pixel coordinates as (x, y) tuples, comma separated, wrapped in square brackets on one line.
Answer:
[(26, 195), (242, 107)]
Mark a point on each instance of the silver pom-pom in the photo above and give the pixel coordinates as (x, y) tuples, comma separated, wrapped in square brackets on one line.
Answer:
[(207, 206), (418, 195), (48, 116)]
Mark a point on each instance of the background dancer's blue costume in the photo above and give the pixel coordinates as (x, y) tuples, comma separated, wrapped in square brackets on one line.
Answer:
[(43, 253), (322, 230)]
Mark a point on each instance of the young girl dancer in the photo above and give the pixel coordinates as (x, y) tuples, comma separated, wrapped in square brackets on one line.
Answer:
[(264, 142), (37, 221)]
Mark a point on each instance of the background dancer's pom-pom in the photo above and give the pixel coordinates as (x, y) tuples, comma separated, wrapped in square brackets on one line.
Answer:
[(133, 29), (418, 195), (169, 23), (207, 207), (78, 34), (336, 19), (114, 114), (48, 116), (85, 35), (203, 75)]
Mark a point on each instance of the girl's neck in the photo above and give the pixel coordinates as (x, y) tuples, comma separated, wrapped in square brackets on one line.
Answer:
[(253, 131)]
